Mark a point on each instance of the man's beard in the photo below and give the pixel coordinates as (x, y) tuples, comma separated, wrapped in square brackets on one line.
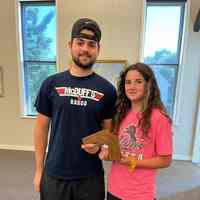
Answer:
[(81, 65)]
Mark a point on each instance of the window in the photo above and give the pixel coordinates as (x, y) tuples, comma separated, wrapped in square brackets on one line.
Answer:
[(162, 45), (38, 25)]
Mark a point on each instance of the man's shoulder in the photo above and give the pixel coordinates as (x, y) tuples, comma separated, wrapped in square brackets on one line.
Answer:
[(104, 81), (57, 75), (54, 77)]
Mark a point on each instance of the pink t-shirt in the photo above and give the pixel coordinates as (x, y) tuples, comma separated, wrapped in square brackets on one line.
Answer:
[(140, 184)]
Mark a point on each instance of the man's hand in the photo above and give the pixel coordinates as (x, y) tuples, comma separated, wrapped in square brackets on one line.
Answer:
[(90, 148), (37, 181)]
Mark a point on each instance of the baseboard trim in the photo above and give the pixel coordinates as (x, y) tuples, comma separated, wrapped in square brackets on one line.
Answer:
[(18, 148), (182, 157), (31, 148)]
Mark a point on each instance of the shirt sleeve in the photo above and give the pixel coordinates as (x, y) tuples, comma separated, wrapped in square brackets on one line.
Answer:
[(164, 144), (43, 103)]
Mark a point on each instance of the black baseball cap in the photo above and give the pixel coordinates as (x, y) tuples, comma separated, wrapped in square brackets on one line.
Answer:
[(89, 24)]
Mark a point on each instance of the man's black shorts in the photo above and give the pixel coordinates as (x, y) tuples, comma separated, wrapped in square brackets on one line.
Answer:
[(92, 188)]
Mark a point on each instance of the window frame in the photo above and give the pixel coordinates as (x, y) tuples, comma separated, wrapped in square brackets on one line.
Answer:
[(180, 47), (181, 25), (20, 56)]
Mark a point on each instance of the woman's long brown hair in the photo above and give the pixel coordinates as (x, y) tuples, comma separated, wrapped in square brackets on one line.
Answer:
[(151, 100)]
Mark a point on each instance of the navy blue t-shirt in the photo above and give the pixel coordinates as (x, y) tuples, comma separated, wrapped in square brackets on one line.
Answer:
[(77, 106)]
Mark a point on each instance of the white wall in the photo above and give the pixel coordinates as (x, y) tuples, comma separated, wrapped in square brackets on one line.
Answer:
[(121, 24), (15, 132), (184, 131)]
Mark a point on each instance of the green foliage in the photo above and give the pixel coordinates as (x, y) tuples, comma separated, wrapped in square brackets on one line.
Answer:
[(162, 56), (36, 74), (160, 63), (36, 43)]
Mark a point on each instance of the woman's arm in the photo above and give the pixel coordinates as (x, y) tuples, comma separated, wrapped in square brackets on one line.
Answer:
[(155, 162), (151, 163)]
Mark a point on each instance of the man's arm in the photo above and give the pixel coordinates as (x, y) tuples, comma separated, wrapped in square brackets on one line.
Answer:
[(40, 143)]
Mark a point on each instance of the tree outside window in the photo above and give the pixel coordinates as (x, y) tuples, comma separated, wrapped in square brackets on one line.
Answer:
[(164, 25), (39, 48)]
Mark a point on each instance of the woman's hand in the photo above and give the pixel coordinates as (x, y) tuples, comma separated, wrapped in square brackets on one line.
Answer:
[(128, 160), (104, 153)]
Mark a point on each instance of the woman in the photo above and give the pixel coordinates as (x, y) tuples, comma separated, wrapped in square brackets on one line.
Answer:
[(145, 135)]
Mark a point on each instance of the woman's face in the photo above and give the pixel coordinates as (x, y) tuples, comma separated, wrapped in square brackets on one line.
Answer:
[(135, 86)]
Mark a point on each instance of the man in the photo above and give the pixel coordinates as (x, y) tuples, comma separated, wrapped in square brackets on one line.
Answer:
[(73, 104)]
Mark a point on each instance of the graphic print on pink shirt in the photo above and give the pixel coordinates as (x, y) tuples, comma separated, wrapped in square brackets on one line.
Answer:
[(131, 140)]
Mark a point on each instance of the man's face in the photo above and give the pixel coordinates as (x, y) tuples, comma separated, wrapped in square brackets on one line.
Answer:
[(84, 51)]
